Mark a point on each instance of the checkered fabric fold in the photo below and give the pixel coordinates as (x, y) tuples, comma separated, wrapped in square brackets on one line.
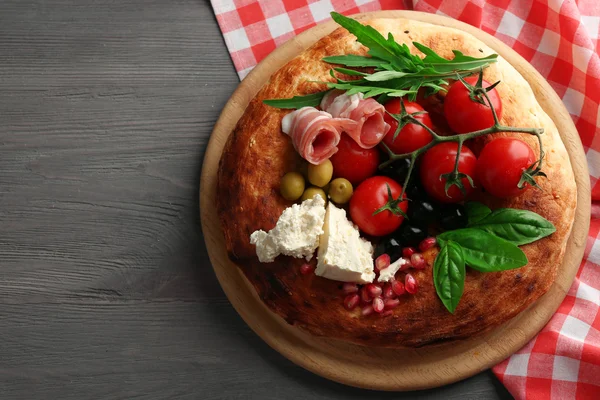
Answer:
[(560, 39)]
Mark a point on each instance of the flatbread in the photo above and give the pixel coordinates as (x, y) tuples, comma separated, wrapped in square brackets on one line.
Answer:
[(258, 154)]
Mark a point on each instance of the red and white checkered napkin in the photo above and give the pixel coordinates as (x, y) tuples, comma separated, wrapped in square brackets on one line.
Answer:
[(560, 39)]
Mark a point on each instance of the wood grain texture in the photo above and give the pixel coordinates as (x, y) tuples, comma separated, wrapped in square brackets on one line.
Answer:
[(376, 368), (106, 290)]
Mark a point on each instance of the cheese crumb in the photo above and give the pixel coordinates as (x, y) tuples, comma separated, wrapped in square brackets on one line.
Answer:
[(296, 233), (387, 274)]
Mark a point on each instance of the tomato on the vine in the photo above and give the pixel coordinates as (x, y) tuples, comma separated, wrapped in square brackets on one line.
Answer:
[(412, 136), (465, 115), (440, 160), (369, 197), (500, 165), (353, 162)]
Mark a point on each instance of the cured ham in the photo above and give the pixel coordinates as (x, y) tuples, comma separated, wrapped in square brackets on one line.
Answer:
[(362, 118), (315, 134)]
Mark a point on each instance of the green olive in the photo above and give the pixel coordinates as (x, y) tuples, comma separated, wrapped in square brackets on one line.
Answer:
[(320, 175), (292, 186), (312, 191), (340, 190)]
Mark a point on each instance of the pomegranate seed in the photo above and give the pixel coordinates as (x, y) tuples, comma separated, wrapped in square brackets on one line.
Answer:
[(390, 303), (364, 295), (387, 313), (417, 261), (378, 304), (408, 251), (427, 243), (398, 287), (382, 262), (306, 269), (410, 284), (350, 288), (367, 310), (351, 301), (406, 264), (388, 293), (374, 290)]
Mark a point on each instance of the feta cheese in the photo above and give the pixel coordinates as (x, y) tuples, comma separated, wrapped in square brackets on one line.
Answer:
[(296, 233), (387, 274), (343, 255)]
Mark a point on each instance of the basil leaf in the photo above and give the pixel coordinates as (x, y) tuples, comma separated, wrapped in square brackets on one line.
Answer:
[(449, 275), (517, 226), (476, 211), (310, 100), (484, 251), (352, 60)]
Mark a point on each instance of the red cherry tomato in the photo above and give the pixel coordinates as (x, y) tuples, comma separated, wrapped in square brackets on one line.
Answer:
[(369, 197), (412, 136), (440, 160), (465, 115), (353, 162), (500, 165)]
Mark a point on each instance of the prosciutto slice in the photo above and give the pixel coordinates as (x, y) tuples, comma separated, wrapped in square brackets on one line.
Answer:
[(362, 118), (315, 134)]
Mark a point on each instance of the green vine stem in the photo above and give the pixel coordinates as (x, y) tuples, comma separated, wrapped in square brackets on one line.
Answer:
[(454, 178)]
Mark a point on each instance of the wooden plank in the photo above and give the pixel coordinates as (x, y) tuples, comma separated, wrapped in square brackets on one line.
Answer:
[(106, 290)]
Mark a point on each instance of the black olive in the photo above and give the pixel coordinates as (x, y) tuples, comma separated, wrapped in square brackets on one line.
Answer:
[(415, 191), (453, 216), (410, 234), (422, 212), (390, 246), (398, 170)]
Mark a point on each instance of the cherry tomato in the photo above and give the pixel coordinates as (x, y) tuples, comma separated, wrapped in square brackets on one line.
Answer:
[(440, 160), (353, 162), (369, 197), (412, 136), (465, 115), (500, 165)]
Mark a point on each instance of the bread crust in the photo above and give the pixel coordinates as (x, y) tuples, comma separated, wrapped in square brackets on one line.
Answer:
[(258, 154)]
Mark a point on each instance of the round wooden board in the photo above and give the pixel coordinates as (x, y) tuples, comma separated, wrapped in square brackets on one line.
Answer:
[(388, 369)]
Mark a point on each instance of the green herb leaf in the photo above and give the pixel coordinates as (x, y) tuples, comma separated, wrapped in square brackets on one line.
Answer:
[(352, 60), (384, 76), (516, 226), (368, 91), (476, 211), (484, 251), (379, 47), (310, 100), (460, 62), (350, 72), (449, 274)]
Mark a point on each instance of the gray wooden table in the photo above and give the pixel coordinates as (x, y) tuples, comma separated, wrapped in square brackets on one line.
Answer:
[(106, 290)]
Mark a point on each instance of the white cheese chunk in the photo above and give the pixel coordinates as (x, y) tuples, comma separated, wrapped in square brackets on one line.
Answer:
[(387, 274), (296, 233), (343, 255)]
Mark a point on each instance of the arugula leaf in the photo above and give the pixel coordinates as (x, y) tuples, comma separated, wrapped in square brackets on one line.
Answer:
[(449, 274), (379, 47), (484, 251), (350, 72), (351, 60), (516, 226), (476, 211), (310, 100), (368, 91), (384, 76), (460, 62)]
